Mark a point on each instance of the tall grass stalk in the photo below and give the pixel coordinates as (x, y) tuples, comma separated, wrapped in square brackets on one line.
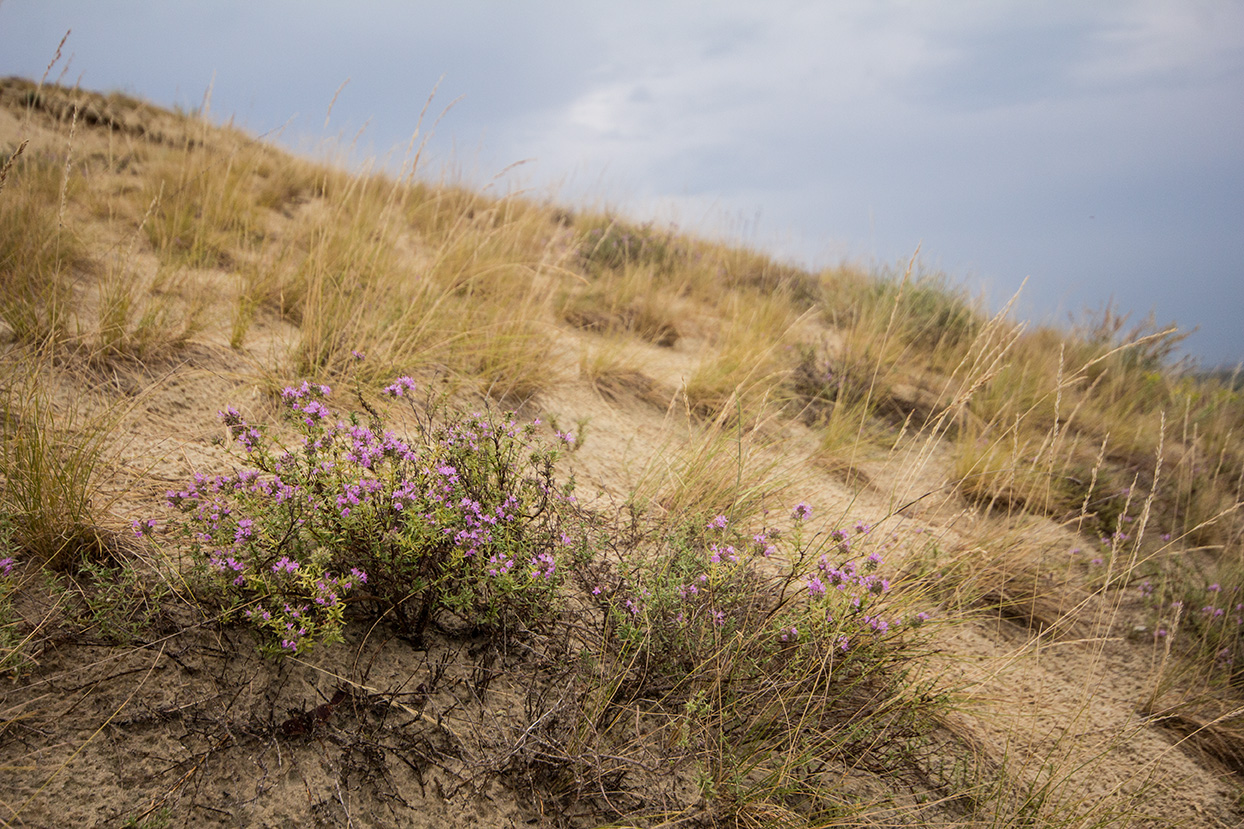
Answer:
[(55, 464)]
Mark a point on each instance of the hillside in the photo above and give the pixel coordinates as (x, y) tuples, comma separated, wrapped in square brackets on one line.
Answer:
[(366, 500)]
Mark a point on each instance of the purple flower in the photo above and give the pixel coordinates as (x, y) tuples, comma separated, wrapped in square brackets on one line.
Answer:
[(543, 566), (718, 523), (399, 388), (802, 511), (816, 587), (315, 411), (290, 394), (6, 565)]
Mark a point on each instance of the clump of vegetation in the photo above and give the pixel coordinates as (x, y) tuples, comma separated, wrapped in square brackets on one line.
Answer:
[(53, 458), (464, 519), (38, 252), (696, 656), (615, 245), (745, 644)]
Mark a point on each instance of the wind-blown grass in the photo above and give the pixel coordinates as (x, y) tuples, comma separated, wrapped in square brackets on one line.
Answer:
[(680, 661)]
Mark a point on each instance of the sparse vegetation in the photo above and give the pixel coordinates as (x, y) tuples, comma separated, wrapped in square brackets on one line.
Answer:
[(1012, 596)]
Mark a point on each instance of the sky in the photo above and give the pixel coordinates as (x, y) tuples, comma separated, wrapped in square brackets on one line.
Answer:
[(1095, 150)]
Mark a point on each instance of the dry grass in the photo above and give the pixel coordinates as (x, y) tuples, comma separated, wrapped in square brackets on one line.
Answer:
[(133, 241)]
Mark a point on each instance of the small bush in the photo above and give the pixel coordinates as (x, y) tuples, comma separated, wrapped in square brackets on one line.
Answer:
[(615, 246), (465, 520), (1204, 621), (747, 645)]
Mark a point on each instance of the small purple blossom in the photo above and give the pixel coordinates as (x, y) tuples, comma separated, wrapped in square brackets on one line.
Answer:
[(543, 566), (802, 512), (399, 388), (718, 523)]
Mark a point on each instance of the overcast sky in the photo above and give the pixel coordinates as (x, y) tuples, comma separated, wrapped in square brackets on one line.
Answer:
[(1096, 148)]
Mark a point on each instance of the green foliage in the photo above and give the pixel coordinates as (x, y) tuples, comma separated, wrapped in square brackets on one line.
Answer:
[(932, 315), (118, 604), (463, 520), (1203, 620), (615, 245), (755, 646)]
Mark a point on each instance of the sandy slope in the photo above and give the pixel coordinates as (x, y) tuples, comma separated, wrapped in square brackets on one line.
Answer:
[(190, 725)]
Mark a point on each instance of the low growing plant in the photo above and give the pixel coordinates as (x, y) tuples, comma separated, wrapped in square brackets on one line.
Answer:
[(755, 647), (709, 583), (460, 520)]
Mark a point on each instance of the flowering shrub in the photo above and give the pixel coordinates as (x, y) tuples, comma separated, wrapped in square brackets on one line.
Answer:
[(1207, 622), (710, 584), (748, 646), (464, 518)]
